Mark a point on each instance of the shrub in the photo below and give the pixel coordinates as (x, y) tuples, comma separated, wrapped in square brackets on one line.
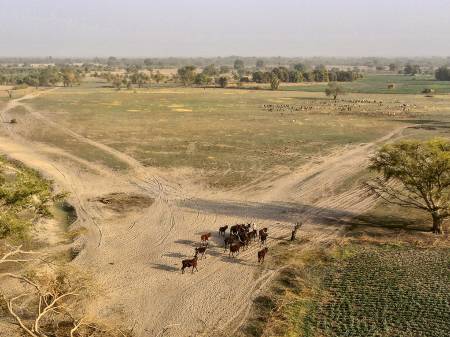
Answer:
[(13, 227)]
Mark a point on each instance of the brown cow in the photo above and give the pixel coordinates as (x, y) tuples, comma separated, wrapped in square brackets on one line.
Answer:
[(234, 249), (261, 254), (253, 234), (262, 231), (263, 238), (205, 238), (228, 241), (200, 250), (222, 230), (189, 263), (234, 229)]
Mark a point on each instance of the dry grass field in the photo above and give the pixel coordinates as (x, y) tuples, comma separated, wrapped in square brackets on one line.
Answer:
[(232, 137)]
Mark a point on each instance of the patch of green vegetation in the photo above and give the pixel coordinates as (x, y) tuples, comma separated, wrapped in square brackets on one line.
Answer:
[(378, 84), (385, 291), (12, 227), (25, 196)]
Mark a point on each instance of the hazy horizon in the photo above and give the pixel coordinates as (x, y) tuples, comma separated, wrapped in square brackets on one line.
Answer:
[(201, 28)]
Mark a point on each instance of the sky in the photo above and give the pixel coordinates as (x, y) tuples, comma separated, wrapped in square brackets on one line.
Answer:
[(183, 28)]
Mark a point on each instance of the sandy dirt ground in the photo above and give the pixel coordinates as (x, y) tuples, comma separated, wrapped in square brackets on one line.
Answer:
[(136, 253)]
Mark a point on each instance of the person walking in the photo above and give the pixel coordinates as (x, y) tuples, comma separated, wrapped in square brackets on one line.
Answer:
[(296, 226)]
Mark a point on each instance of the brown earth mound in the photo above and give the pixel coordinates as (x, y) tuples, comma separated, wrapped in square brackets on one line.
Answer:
[(122, 202)]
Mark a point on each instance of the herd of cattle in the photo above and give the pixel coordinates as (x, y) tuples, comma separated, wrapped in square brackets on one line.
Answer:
[(367, 107), (240, 238)]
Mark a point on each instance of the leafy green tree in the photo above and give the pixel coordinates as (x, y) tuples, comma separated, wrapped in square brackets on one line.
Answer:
[(186, 74), (320, 74), (223, 81), (49, 77), (117, 81), (261, 77), (211, 70), (112, 61), (224, 70), (282, 73), (300, 67), (417, 175), (139, 78), (295, 76), (32, 80), (259, 64), (334, 89), (411, 69), (393, 67), (70, 76), (239, 65), (442, 74), (257, 76), (158, 77), (308, 76), (274, 82), (148, 62), (202, 79)]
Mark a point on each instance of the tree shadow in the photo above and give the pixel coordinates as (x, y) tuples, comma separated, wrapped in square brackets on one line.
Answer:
[(275, 211), (291, 212), (387, 221)]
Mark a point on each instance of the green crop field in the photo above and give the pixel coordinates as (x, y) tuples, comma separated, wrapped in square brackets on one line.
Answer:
[(378, 84), (225, 134), (356, 289), (386, 291)]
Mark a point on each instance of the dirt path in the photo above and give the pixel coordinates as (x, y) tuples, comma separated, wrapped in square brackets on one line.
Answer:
[(136, 255)]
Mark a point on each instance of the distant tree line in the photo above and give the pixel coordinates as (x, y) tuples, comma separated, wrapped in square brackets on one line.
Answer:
[(300, 73), (133, 76), (41, 77)]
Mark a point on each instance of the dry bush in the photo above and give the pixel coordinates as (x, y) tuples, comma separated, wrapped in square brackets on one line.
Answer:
[(47, 302)]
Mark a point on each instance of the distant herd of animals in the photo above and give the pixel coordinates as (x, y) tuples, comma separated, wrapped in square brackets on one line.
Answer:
[(344, 107), (240, 238)]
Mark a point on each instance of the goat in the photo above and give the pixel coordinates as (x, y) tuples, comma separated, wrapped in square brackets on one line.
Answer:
[(189, 263), (263, 238), (222, 230), (234, 229), (261, 254), (253, 234), (205, 238), (200, 250), (234, 249), (262, 231)]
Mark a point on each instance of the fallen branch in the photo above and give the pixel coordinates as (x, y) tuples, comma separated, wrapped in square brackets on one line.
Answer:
[(16, 251)]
